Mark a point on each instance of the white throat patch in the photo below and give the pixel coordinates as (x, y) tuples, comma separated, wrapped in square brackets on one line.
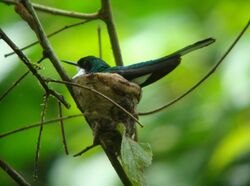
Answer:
[(79, 73)]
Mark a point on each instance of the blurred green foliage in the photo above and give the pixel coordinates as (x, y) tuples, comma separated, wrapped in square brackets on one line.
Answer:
[(202, 140)]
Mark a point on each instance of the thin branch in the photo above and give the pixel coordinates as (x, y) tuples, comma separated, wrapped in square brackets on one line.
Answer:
[(85, 150), (51, 34), (99, 33), (211, 71), (99, 93), (31, 67), (52, 121), (106, 16), (56, 11), (13, 174), (41, 59), (17, 82), (62, 129), (14, 85), (45, 103)]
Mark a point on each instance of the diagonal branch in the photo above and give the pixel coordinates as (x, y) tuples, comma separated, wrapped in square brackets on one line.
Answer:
[(52, 121), (13, 174), (117, 165), (85, 150), (210, 72), (56, 11), (44, 42), (31, 67), (50, 35), (17, 82), (14, 85)]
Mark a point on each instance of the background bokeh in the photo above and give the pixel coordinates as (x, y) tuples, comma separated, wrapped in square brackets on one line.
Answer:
[(202, 140)]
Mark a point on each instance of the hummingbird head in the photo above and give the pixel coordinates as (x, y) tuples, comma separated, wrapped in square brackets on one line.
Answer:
[(90, 64)]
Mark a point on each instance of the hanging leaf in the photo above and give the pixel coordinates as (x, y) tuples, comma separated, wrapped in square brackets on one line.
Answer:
[(135, 158)]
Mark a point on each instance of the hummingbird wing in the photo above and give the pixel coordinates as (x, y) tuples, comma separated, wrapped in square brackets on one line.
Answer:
[(145, 73), (148, 72)]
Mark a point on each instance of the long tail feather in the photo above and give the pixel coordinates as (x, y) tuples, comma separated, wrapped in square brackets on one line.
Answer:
[(194, 46)]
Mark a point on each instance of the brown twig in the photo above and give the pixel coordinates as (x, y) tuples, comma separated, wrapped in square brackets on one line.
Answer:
[(14, 85), (56, 11), (50, 35), (31, 67), (52, 121), (62, 128), (99, 93), (106, 16), (38, 145), (13, 174), (85, 150), (210, 72)]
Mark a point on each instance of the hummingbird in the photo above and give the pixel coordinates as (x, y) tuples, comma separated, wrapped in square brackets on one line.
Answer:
[(143, 73)]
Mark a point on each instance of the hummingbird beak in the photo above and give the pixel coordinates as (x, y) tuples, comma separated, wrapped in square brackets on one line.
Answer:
[(71, 63), (79, 69)]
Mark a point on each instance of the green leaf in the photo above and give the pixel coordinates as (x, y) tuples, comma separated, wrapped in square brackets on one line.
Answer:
[(135, 157)]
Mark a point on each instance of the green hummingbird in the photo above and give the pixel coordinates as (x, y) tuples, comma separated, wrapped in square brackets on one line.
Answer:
[(143, 73)]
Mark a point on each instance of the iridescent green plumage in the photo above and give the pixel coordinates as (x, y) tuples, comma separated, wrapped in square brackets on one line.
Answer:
[(143, 73)]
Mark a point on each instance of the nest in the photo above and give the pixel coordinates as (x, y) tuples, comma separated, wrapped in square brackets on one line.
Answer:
[(103, 116)]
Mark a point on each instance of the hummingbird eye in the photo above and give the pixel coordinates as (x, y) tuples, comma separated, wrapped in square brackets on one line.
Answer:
[(85, 64)]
